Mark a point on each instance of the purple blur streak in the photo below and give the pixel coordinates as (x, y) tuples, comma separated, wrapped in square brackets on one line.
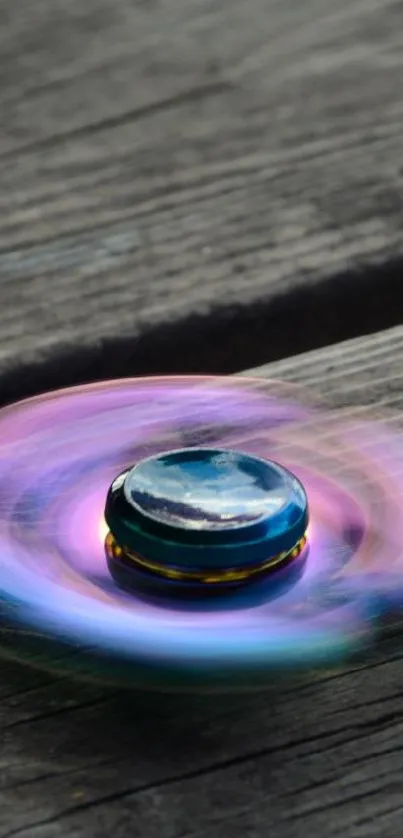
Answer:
[(60, 452)]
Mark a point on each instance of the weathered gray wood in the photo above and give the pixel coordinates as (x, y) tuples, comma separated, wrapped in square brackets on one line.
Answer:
[(363, 371), (320, 757), (160, 160), (167, 158)]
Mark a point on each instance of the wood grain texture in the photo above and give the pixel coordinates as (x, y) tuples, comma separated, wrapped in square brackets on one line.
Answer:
[(314, 757), (166, 158), (361, 372), (161, 160)]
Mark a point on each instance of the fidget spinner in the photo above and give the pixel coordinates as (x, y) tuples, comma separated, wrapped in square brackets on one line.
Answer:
[(195, 532)]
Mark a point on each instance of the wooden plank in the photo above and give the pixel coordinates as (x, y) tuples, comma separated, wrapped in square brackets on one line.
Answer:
[(363, 371), (323, 756), (166, 159)]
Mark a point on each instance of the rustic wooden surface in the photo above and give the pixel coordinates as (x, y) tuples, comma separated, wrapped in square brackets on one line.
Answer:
[(238, 163), (202, 185), (320, 757)]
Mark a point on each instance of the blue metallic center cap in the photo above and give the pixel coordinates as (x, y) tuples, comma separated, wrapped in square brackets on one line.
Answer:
[(203, 516), (207, 489)]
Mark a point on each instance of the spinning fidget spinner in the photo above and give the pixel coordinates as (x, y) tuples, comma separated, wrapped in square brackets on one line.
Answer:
[(195, 532)]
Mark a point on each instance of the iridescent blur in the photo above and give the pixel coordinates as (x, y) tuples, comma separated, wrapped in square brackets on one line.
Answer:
[(58, 456)]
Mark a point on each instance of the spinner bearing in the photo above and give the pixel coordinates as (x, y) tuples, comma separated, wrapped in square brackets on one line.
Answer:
[(203, 519)]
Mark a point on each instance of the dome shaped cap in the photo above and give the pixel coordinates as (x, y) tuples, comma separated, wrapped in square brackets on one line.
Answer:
[(205, 508)]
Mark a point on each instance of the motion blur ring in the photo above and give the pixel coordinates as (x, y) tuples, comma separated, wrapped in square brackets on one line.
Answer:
[(204, 483)]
